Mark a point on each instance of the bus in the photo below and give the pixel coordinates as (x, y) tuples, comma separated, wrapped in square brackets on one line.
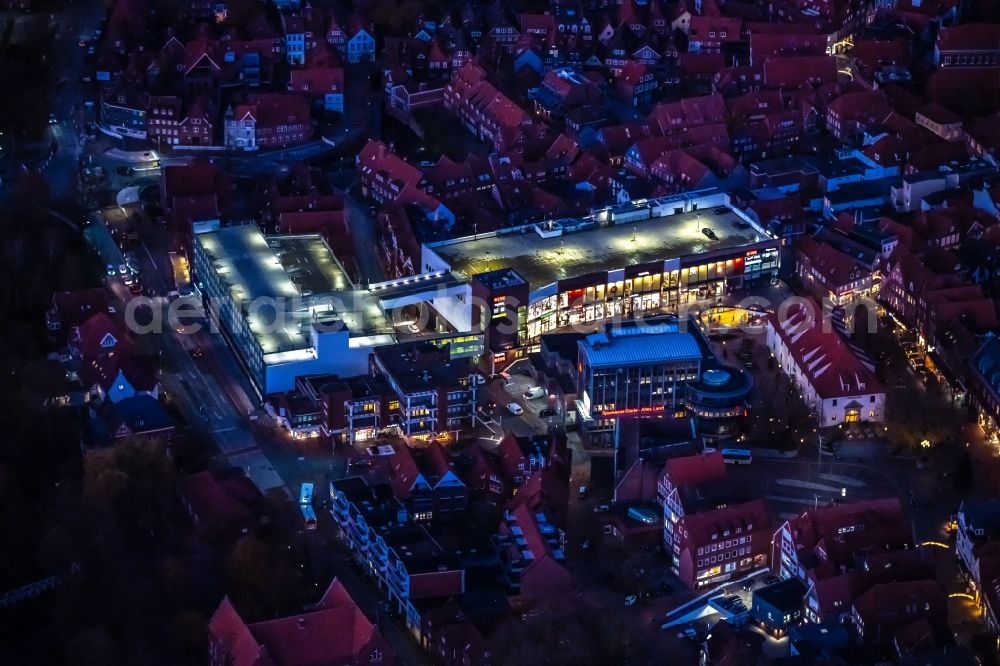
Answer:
[(306, 494), (305, 505), (737, 456), (308, 516)]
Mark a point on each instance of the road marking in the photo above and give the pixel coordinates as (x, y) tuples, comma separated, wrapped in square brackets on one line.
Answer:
[(218, 430), (846, 480), (807, 485), (809, 501)]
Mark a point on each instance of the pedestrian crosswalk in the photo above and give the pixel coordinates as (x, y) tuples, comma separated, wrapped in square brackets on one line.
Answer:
[(802, 488)]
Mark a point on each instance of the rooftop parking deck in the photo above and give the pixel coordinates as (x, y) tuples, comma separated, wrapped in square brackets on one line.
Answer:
[(544, 260), (285, 284)]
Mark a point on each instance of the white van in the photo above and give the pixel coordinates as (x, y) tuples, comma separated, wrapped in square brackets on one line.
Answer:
[(534, 392)]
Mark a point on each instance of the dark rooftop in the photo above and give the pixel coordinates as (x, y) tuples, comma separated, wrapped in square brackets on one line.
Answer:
[(422, 366), (784, 596)]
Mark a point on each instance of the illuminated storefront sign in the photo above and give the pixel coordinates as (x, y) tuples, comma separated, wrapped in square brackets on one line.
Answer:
[(632, 411), (499, 307)]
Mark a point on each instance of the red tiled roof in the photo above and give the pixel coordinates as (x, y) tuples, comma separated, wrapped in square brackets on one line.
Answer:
[(100, 334), (792, 72), (337, 632), (970, 37), (789, 41), (822, 356), (938, 114), (937, 154), (702, 27), (748, 516), (690, 112), (376, 156), (882, 524), (618, 138), (966, 301), (873, 51), (884, 605), (700, 63), (403, 472), (537, 23), (545, 578), (221, 503), (851, 106), (948, 86), (696, 470), (680, 165), (230, 634), (272, 109), (103, 370), (887, 151), (836, 267), (317, 81)]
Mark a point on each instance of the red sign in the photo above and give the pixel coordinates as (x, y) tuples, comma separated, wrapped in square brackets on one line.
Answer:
[(632, 411)]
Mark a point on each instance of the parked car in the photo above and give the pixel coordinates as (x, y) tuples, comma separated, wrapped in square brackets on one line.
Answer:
[(585, 544), (547, 413), (583, 492), (709, 233), (515, 409), (534, 393), (720, 210), (771, 580), (197, 352), (630, 600)]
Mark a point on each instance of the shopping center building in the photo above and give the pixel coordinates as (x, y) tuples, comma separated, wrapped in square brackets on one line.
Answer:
[(642, 259), (286, 306)]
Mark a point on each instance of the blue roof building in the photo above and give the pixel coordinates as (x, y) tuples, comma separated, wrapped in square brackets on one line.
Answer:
[(635, 369)]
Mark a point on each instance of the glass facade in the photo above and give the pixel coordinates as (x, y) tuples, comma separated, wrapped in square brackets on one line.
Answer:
[(650, 292), (651, 389)]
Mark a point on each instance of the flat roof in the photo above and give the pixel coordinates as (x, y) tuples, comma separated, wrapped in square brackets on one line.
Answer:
[(641, 344), (300, 269), (542, 261)]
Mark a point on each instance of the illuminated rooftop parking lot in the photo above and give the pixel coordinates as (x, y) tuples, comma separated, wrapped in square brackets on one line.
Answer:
[(544, 260), (301, 270)]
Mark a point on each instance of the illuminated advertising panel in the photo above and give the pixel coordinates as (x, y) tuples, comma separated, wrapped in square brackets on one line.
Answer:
[(632, 411)]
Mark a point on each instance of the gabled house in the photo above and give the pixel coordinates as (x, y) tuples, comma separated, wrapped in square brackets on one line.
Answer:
[(321, 80), (334, 630), (268, 121), (198, 126), (359, 41), (714, 33), (831, 378), (108, 361), (426, 483)]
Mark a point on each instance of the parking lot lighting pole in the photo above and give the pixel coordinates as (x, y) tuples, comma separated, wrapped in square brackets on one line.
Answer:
[(819, 452)]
